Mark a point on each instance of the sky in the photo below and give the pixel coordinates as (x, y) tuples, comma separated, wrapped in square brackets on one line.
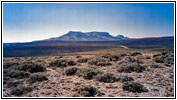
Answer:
[(25, 22)]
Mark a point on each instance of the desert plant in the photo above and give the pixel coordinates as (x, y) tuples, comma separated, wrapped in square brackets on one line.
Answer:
[(32, 67), (82, 60), (130, 67), (62, 63), (106, 78), (18, 74), (37, 77), (99, 61), (169, 61), (71, 71), (159, 59), (6, 65), (21, 90), (13, 84), (87, 73), (125, 78), (154, 65), (134, 87), (135, 53), (5, 79), (111, 57), (88, 91)]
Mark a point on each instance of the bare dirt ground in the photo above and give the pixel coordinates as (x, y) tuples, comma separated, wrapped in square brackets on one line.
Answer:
[(103, 73)]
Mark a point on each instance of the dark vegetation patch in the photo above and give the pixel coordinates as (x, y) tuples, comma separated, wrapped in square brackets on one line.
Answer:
[(62, 63), (88, 73), (13, 84), (20, 90), (7, 65), (71, 71), (99, 61), (130, 67), (107, 78), (18, 74), (125, 78), (37, 77), (135, 53), (134, 87), (31, 67), (165, 57), (89, 91), (82, 60), (111, 57)]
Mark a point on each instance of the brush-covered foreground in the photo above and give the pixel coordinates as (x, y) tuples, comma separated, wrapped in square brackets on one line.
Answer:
[(130, 74)]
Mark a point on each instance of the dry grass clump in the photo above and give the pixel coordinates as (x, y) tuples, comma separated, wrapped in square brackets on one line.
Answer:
[(37, 77), (134, 87), (99, 61), (62, 63), (21, 90)]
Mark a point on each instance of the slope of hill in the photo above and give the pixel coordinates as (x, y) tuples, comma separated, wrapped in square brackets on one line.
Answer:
[(88, 36)]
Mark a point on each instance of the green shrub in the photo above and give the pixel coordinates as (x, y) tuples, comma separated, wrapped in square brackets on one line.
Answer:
[(13, 84), (87, 73), (32, 67), (135, 53), (125, 78), (169, 61), (5, 79), (37, 77), (99, 61), (62, 63), (130, 67), (7, 65), (71, 71), (159, 59), (154, 65), (82, 60), (134, 87), (107, 78), (21, 90), (18, 74), (88, 91), (111, 57)]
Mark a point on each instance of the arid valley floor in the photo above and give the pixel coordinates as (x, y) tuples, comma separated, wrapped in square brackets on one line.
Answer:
[(103, 73)]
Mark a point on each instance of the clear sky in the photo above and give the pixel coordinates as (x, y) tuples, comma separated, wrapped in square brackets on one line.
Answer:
[(24, 22)]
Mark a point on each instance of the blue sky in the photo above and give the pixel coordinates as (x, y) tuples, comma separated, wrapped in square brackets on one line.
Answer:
[(24, 22)]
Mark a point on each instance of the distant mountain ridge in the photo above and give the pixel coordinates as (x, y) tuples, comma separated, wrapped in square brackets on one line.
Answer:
[(88, 36)]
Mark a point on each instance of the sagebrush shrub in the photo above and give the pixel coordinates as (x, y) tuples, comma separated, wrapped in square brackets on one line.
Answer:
[(88, 91), (71, 71), (87, 73), (21, 90), (32, 67), (99, 61), (106, 78), (134, 87), (37, 77)]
